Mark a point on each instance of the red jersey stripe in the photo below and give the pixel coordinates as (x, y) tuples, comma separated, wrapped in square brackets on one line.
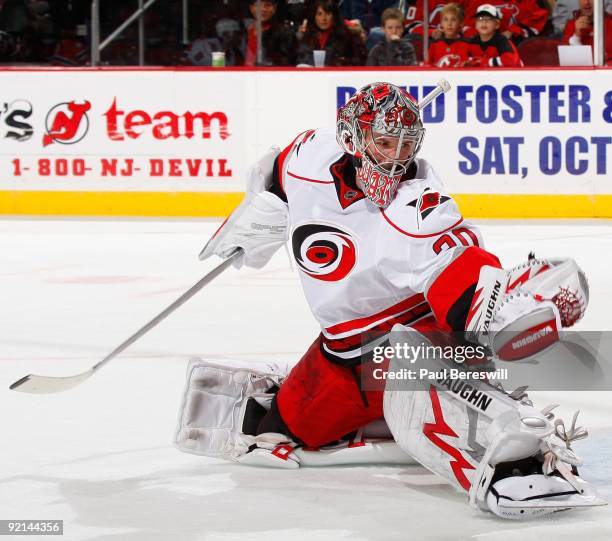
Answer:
[(419, 236), (363, 323), (283, 156), (298, 177)]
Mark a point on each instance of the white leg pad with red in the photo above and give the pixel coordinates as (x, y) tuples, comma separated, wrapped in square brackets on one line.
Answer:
[(213, 406), (504, 452), (212, 419)]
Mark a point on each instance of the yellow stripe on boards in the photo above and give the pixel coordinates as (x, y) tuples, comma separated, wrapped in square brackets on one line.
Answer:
[(220, 204), (145, 204), (534, 205)]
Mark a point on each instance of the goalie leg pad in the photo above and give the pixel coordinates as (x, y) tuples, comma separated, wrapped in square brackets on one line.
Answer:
[(475, 436), (214, 403), (219, 417)]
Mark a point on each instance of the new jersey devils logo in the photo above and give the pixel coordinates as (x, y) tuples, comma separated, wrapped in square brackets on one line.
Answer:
[(323, 252), (450, 61), (64, 123)]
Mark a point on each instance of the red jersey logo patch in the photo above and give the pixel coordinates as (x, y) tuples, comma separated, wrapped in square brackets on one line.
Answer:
[(427, 202), (323, 252)]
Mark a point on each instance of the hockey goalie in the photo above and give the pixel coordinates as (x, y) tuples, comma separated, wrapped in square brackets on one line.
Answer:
[(384, 256)]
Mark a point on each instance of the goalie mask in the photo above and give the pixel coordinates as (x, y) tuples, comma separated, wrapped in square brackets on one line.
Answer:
[(380, 126)]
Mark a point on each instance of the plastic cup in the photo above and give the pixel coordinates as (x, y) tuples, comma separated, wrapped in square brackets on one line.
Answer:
[(218, 59), (319, 58)]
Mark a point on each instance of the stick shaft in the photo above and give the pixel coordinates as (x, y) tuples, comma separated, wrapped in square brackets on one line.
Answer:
[(35, 384), (441, 87), (167, 311)]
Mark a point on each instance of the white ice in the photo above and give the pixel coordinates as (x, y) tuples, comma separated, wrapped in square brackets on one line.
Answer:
[(100, 456)]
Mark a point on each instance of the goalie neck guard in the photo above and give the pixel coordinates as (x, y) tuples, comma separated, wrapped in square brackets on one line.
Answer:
[(381, 128)]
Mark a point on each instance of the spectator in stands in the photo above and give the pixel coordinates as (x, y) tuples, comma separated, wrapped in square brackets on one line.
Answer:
[(71, 50), (355, 27), (414, 15), (324, 29), (579, 30), (46, 33), (296, 11), (490, 47), (278, 40), (233, 41), (519, 19), (15, 16), (16, 19), (230, 39), (42, 18), (352, 9), (451, 50), (394, 51), (75, 12), (563, 12), (362, 11)]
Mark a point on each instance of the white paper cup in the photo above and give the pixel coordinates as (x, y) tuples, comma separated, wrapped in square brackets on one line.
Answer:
[(319, 58)]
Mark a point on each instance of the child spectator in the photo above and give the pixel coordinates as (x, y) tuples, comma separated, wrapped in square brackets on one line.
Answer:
[(579, 30), (519, 19), (490, 47), (394, 51), (325, 30), (278, 41), (414, 16), (451, 50)]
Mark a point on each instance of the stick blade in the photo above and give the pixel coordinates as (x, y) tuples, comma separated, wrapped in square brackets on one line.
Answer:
[(48, 384)]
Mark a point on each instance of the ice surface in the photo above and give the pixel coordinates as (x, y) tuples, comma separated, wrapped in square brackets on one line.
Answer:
[(100, 456)]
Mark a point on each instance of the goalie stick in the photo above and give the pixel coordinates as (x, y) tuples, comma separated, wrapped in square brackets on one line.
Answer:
[(35, 384), (442, 86)]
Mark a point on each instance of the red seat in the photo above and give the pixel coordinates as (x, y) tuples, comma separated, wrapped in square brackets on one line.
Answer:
[(539, 52)]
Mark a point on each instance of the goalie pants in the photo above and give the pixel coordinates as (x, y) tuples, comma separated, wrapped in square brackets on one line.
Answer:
[(321, 401)]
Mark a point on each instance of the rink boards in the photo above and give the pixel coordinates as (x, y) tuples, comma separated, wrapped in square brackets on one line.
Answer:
[(165, 142)]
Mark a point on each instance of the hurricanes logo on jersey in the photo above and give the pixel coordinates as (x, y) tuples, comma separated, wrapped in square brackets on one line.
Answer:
[(427, 203), (323, 252)]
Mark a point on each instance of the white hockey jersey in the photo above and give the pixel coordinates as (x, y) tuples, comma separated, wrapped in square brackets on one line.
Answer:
[(364, 268)]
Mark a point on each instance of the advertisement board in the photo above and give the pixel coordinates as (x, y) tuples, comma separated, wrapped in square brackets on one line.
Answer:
[(178, 142)]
